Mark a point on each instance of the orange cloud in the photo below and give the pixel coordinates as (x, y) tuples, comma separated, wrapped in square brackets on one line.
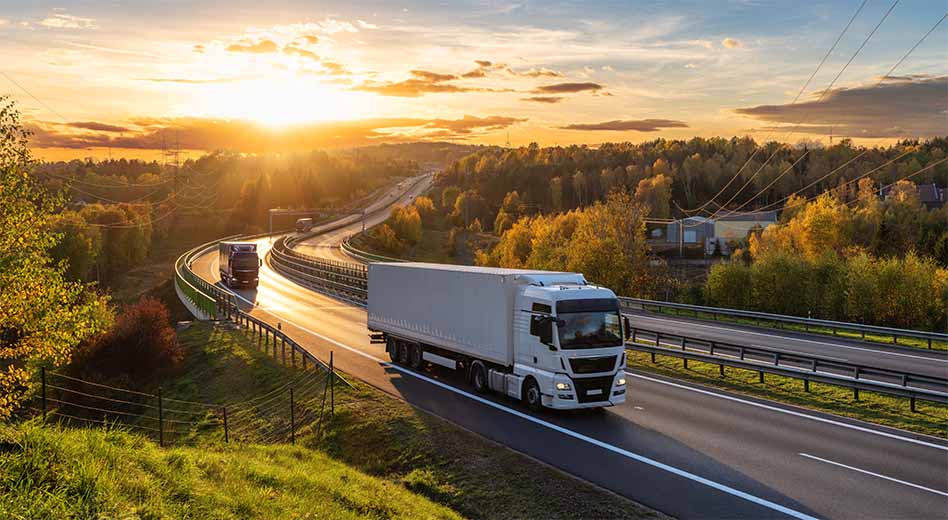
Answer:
[(261, 47), (293, 50), (731, 43), (568, 88), (637, 125)]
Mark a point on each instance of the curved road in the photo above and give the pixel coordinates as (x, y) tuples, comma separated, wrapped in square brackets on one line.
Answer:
[(686, 450)]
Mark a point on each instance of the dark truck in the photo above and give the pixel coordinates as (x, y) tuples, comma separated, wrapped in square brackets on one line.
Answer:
[(239, 263)]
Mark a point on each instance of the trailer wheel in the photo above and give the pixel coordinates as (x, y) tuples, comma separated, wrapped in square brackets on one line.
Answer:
[(479, 377), (531, 395), (414, 356), (392, 347), (402, 353)]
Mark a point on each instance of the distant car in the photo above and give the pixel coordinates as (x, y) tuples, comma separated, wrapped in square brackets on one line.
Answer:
[(303, 225)]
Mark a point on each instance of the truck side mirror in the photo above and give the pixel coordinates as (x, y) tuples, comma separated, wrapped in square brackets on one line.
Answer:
[(259, 263), (545, 329)]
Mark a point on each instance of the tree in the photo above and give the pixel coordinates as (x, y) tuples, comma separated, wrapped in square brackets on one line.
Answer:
[(79, 245), (556, 193), (448, 197), (729, 285), (426, 209), (44, 316), (655, 193)]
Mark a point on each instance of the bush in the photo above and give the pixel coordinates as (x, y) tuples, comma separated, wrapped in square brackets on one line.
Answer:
[(141, 346)]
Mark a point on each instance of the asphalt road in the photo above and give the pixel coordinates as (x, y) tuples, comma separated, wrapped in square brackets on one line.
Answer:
[(686, 450)]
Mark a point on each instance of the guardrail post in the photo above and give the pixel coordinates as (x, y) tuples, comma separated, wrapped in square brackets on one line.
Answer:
[(904, 380), (929, 343), (43, 379), (721, 370), (776, 359), (226, 433), (913, 403), (653, 357), (855, 394), (813, 362), (741, 352), (855, 372), (712, 347), (895, 339), (760, 377), (834, 331), (283, 349), (161, 421), (806, 385), (633, 335), (685, 362), (332, 387), (658, 339)]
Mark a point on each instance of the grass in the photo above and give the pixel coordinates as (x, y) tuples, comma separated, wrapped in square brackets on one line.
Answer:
[(884, 340), (378, 457), (930, 418)]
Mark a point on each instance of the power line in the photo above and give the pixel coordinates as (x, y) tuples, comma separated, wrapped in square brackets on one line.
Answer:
[(38, 100), (825, 91), (802, 89)]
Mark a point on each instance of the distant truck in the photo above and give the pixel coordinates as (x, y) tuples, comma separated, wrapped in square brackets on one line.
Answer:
[(549, 339), (239, 264), (304, 224)]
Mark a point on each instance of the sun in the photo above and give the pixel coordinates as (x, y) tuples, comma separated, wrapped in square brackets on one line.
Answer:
[(279, 102)]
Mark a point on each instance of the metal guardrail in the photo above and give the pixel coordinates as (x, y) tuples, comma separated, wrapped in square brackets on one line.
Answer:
[(807, 368), (345, 279), (364, 256), (760, 317)]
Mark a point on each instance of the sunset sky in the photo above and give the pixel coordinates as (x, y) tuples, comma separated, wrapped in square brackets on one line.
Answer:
[(281, 75)]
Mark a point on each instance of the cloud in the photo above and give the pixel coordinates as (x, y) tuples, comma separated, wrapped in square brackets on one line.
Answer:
[(292, 50), (199, 48), (311, 39), (638, 125), (568, 88), (366, 25), (66, 21), (335, 69), (912, 106), (731, 43), (99, 127), (190, 81), (250, 137), (485, 67), (4, 21), (544, 99), (707, 44), (608, 68), (261, 47), (432, 77)]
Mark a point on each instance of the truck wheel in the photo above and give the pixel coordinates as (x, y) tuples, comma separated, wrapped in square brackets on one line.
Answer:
[(479, 377), (402, 353), (531, 395), (414, 356), (392, 347)]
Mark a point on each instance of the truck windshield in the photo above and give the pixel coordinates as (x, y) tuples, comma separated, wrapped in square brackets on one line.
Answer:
[(245, 261), (592, 323)]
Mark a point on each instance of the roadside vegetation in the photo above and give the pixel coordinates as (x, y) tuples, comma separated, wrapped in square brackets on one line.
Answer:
[(377, 457), (929, 418)]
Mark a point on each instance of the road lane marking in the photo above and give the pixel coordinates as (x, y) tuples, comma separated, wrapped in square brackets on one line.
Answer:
[(807, 354), (576, 435), (792, 412), (791, 338), (877, 475)]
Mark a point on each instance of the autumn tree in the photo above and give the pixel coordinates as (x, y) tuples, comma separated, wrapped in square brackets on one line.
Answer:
[(655, 193), (43, 316)]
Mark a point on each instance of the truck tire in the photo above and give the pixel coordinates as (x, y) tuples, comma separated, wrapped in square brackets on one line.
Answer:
[(402, 353), (392, 347), (414, 356), (479, 377), (531, 395)]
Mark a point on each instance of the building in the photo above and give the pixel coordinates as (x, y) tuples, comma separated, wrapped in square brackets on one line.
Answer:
[(719, 233), (929, 195)]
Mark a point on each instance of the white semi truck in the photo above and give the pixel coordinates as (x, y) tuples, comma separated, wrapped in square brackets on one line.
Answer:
[(547, 338)]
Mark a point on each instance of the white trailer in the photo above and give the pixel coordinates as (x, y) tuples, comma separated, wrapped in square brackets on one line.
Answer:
[(548, 338)]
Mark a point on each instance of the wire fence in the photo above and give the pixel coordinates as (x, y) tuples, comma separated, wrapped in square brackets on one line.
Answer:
[(294, 407)]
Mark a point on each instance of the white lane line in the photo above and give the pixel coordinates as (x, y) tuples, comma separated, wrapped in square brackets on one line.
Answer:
[(576, 435), (790, 338), (792, 412), (877, 475)]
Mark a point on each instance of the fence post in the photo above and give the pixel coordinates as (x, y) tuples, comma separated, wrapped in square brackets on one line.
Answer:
[(685, 362), (855, 394), (913, 403), (653, 357), (806, 385), (161, 421), (721, 370), (292, 419), (226, 434), (332, 386), (760, 376)]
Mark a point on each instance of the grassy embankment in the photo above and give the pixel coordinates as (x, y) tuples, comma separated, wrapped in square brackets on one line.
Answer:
[(378, 457)]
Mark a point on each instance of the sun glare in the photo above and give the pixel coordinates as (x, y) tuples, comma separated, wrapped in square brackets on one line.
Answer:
[(280, 102)]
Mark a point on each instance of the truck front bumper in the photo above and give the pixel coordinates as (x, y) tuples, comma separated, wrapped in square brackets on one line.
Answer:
[(579, 393)]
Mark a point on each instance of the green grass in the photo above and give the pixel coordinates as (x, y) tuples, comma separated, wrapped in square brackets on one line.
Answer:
[(378, 457), (47, 472), (930, 418), (885, 340)]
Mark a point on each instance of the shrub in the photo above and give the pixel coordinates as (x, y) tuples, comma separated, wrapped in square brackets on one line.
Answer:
[(140, 347)]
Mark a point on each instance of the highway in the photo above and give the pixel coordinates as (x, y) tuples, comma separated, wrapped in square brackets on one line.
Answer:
[(686, 450)]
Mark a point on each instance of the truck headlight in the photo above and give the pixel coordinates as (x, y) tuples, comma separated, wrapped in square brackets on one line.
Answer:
[(620, 382), (563, 386)]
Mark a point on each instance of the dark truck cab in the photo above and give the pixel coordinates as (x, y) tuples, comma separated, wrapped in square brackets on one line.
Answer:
[(239, 264)]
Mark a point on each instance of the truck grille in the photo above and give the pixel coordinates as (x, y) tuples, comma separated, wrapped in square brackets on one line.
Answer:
[(587, 384), (592, 365)]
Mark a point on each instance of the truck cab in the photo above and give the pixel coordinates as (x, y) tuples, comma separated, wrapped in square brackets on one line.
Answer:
[(239, 264), (304, 224), (568, 338)]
